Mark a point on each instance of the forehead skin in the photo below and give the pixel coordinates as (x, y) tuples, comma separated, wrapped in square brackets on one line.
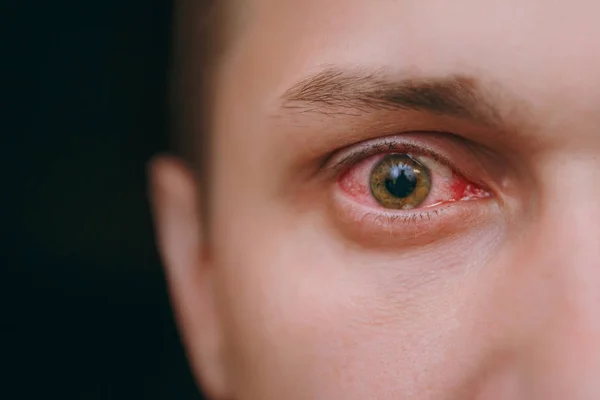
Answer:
[(309, 314), (529, 47)]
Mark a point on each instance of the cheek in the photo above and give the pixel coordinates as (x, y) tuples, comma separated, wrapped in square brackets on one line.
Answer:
[(311, 318)]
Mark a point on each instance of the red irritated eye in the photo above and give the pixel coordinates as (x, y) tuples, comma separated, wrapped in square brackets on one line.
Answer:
[(403, 182)]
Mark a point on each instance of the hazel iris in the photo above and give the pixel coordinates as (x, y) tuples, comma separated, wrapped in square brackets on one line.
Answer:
[(399, 181)]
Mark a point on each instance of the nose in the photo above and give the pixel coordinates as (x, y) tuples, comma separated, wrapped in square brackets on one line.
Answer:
[(561, 357)]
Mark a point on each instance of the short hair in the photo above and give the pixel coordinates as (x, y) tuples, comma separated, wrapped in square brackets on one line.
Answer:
[(201, 30)]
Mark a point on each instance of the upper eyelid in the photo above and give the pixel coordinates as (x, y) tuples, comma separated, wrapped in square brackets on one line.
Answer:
[(339, 163), (452, 150)]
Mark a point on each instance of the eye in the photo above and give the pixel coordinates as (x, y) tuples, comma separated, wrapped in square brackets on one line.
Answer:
[(400, 182), (407, 181), (412, 190)]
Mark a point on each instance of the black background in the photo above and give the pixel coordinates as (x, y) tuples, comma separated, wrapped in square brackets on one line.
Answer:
[(85, 309)]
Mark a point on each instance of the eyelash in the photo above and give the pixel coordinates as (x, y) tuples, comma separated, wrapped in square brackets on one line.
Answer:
[(388, 146), (412, 217)]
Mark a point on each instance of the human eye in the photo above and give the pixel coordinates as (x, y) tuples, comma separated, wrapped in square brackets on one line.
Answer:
[(411, 185)]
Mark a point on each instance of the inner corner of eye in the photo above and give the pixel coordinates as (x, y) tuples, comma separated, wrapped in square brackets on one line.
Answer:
[(463, 189)]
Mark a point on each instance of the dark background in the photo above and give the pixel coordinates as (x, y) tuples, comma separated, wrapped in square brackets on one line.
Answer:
[(85, 309)]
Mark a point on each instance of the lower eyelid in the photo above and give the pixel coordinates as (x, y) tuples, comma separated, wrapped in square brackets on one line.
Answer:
[(380, 228)]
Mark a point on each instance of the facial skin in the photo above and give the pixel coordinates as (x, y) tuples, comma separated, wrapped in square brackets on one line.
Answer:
[(298, 284)]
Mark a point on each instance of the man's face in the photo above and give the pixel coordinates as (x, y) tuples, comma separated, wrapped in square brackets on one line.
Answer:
[(403, 203)]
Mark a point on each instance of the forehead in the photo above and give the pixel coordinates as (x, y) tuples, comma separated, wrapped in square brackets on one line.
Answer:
[(546, 54), (511, 39)]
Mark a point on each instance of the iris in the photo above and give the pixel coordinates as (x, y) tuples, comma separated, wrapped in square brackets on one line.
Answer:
[(399, 181)]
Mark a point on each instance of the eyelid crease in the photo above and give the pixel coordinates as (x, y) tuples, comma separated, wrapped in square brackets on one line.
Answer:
[(382, 147)]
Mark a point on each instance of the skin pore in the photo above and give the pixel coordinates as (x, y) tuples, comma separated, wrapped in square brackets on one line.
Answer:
[(300, 283)]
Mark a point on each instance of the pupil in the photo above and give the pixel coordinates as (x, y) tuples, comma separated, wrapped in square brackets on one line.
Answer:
[(401, 181)]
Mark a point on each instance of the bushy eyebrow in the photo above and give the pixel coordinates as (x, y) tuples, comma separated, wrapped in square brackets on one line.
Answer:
[(335, 90)]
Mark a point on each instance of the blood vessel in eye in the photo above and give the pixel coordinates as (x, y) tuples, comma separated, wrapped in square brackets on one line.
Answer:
[(463, 190), (456, 188)]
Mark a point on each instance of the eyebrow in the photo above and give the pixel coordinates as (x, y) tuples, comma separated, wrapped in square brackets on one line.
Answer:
[(338, 91)]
